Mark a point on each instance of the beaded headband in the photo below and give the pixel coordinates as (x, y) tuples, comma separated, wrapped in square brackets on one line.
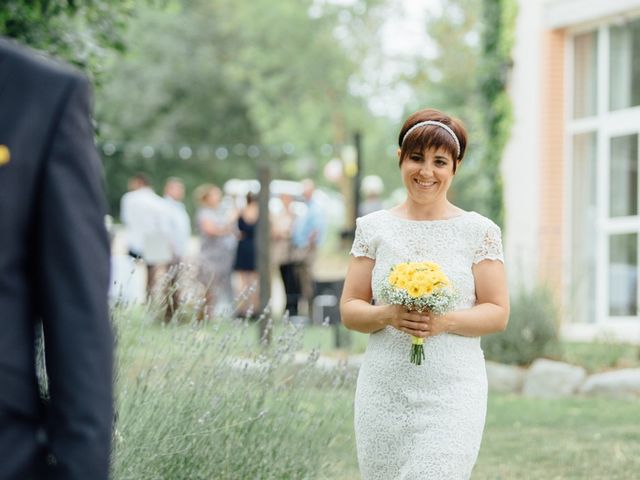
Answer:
[(437, 124)]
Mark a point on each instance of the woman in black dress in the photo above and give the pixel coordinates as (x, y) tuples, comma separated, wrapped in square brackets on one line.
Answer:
[(245, 262)]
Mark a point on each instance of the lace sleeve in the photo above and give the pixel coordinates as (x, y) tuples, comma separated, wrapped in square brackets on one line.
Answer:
[(491, 246), (362, 246)]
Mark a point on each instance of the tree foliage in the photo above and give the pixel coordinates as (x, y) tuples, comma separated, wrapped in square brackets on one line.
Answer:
[(288, 78), (213, 73), (467, 78), (447, 80), (83, 32), (497, 43)]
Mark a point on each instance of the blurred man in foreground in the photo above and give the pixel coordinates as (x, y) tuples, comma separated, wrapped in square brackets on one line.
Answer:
[(54, 276)]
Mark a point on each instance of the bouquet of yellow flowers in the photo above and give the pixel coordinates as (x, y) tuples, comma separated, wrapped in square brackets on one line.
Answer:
[(421, 287)]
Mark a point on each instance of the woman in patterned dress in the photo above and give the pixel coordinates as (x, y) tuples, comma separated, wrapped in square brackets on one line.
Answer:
[(218, 239), (424, 421)]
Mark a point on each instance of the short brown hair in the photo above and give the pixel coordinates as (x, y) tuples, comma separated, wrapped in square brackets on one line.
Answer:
[(432, 136), (201, 192)]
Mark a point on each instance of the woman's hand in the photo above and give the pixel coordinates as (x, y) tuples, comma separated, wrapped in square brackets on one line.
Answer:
[(418, 324), (413, 323), (437, 324)]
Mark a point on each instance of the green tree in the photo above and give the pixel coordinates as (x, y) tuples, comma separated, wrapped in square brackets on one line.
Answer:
[(497, 43), (213, 73), (467, 78), (448, 81), (83, 32)]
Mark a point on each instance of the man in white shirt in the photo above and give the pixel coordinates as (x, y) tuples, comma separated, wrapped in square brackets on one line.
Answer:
[(180, 221), (148, 224), (180, 235)]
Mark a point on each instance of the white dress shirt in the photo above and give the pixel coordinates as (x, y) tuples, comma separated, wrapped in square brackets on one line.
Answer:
[(147, 219), (180, 227)]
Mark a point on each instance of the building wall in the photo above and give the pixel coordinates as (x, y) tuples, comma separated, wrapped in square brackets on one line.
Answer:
[(569, 13), (536, 162), (552, 216), (520, 162)]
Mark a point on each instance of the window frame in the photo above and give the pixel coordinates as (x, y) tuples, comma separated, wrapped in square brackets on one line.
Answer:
[(606, 125)]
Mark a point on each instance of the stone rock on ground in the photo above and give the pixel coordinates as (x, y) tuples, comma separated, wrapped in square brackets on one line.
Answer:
[(623, 383), (551, 379), (505, 378)]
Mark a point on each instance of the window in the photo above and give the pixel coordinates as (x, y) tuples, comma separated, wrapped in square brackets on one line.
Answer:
[(604, 141), (583, 227), (624, 68), (623, 176), (623, 275), (585, 48)]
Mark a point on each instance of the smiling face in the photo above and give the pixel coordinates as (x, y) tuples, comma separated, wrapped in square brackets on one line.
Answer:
[(427, 175)]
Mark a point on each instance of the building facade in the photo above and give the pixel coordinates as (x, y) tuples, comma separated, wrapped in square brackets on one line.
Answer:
[(571, 168)]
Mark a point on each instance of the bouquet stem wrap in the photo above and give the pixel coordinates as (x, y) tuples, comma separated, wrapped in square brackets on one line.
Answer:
[(420, 287), (417, 350)]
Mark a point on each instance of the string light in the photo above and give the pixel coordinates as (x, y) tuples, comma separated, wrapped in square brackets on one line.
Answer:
[(204, 151)]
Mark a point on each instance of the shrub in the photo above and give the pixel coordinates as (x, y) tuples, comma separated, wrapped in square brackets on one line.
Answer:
[(532, 331), (204, 401)]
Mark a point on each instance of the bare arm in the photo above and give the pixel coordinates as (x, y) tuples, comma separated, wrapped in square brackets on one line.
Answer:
[(358, 314), (491, 312), (213, 230)]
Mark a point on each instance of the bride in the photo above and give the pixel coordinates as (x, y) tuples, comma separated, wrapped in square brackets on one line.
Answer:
[(424, 422)]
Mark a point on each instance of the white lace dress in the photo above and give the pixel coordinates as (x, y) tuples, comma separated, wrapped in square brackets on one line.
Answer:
[(423, 422)]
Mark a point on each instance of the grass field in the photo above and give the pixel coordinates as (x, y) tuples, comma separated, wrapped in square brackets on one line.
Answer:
[(581, 438), (577, 438), (207, 402)]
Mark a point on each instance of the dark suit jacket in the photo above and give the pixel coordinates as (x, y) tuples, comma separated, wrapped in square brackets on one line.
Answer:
[(54, 269)]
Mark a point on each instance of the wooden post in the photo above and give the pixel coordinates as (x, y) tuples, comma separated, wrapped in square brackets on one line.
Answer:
[(357, 179), (264, 257)]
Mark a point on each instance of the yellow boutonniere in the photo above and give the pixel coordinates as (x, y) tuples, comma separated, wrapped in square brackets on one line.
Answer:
[(5, 155)]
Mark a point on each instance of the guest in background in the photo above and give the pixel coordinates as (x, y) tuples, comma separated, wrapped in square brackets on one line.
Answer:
[(217, 230), (245, 259), (371, 188), (308, 234), (282, 257), (180, 232), (148, 225)]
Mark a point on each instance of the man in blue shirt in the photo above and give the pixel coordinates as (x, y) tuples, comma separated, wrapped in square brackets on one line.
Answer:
[(308, 234)]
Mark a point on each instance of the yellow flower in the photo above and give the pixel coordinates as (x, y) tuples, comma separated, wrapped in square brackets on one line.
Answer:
[(421, 278), (414, 291), (418, 278), (402, 268)]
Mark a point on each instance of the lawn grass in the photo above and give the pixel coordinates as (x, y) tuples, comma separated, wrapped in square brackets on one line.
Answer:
[(184, 413), (574, 438), (531, 439)]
